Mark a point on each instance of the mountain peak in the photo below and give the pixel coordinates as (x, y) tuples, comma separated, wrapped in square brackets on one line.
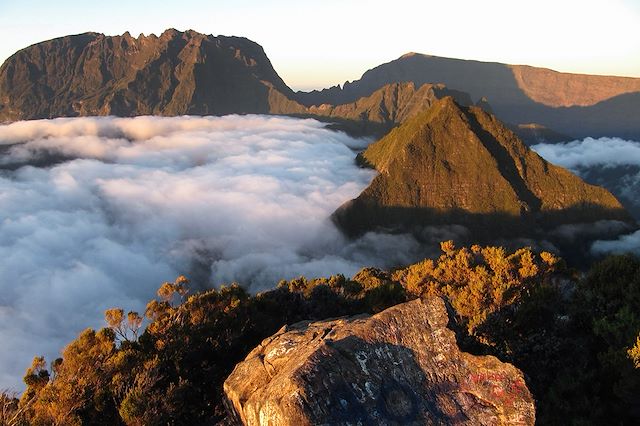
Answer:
[(170, 33), (381, 154), (453, 164), (389, 106), (409, 55)]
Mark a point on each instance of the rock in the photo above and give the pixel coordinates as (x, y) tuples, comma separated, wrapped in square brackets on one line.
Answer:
[(399, 367), (392, 104), (533, 133)]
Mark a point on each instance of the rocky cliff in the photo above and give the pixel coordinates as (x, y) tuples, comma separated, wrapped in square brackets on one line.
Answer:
[(455, 164), (401, 366), (573, 104), (176, 73)]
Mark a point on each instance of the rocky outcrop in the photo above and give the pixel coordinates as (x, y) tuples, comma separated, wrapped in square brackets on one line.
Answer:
[(401, 366), (384, 109), (457, 165), (573, 104), (532, 133)]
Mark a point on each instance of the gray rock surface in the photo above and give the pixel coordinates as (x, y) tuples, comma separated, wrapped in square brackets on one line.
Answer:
[(399, 367)]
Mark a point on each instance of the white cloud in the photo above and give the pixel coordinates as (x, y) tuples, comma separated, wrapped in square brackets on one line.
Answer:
[(590, 152), (625, 244), (611, 162), (141, 200)]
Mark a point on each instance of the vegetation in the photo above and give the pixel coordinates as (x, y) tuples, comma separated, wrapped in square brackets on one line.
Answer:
[(603, 379), (577, 340), (173, 373)]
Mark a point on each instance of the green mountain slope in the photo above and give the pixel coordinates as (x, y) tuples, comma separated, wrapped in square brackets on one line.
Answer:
[(455, 164)]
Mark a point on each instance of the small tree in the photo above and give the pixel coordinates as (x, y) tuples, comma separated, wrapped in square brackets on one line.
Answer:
[(168, 291), (123, 329), (634, 353), (10, 412)]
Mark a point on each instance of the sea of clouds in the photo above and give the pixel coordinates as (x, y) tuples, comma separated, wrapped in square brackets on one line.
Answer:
[(580, 154), (611, 162), (97, 212), (124, 204)]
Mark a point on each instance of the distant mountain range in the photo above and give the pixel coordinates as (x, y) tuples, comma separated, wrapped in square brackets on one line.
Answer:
[(577, 105), (190, 73)]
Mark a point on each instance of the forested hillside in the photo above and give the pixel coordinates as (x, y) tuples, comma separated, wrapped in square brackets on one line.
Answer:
[(577, 339)]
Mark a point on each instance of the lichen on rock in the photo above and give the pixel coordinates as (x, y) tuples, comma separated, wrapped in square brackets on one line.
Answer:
[(401, 366)]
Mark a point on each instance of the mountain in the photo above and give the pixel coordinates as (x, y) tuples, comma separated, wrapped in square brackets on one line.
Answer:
[(176, 73), (191, 73), (574, 104), (180, 73), (459, 165), (385, 108)]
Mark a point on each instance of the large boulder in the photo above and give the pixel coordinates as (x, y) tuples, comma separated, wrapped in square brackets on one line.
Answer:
[(401, 366)]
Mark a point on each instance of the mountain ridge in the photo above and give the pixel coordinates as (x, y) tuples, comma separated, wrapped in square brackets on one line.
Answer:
[(578, 105), (180, 73), (523, 73), (187, 72)]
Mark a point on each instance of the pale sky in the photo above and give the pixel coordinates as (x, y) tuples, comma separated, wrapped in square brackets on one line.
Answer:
[(316, 44)]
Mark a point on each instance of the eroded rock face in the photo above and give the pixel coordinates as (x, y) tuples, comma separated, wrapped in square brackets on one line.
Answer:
[(392, 104), (401, 366)]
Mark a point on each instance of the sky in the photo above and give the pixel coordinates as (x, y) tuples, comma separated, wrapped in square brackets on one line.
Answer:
[(313, 45)]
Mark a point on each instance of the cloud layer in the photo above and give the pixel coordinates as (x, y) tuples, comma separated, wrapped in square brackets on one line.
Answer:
[(610, 162), (127, 203), (131, 202), (580, 154)]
